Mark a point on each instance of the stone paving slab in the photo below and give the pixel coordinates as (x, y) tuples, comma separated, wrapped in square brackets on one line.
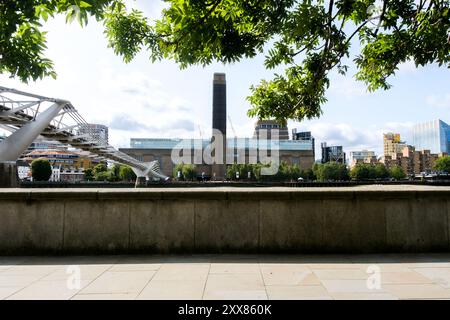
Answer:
[(248, 277)]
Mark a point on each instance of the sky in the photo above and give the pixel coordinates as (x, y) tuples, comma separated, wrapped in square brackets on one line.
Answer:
[(159, 100)]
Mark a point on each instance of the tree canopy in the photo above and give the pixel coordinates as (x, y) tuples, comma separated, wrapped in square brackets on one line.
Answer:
[(308, 39), (442, 164), (41, 170)]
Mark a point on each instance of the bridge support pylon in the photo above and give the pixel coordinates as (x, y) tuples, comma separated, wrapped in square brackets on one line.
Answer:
[(12, 147)]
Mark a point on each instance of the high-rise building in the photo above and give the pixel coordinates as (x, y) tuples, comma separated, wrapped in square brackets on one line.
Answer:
[(332, 153), (392, 144), (269, 127), (432, 135), (97, 132)]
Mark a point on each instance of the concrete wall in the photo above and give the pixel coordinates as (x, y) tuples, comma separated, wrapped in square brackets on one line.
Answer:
[(8, 175), (224, 220)]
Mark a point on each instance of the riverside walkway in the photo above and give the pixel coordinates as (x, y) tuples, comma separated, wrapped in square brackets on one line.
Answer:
[(401, 276)]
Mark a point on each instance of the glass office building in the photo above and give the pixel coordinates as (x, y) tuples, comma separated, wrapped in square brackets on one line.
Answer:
[(432, 135)]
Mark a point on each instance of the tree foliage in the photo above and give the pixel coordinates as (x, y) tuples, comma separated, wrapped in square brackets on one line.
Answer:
[(309, 39), (397, 173), (364, 171), (127, 174), (442, 164), (331, 171), (188, 171), (89, 174), (41, 170)]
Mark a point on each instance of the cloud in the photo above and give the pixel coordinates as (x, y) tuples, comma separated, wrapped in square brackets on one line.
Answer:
[(125, 123), (407, 67), (348, 88), (438, 100)]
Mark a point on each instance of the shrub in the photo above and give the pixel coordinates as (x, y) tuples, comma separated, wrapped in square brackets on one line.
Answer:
[(41, 170)]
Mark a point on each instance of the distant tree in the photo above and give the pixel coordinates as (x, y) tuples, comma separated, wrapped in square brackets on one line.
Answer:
[(115, 172), (234, 168), (127, 174), (332, 171), (397, 173), (442, 164), (104, 176), (89, 174), (381, 172), (189, 172), (308, 174), (178, 170), (101, 167), (361, 171), (41, 170)]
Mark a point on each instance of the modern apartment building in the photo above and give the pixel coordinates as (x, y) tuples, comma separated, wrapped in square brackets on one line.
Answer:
[(98, 132), (363, 156), (392, 144), (432, 135), (412, 162)]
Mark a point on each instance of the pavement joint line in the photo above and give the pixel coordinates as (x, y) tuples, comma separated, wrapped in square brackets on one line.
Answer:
[(33, 282), (148, 282), (206, 281), (91, 282), (264, 282)]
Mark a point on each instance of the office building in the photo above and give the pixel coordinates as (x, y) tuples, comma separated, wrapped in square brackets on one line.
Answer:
[(432, 135), (332, 153)]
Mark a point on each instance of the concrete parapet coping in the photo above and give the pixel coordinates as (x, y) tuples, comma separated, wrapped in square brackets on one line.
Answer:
[(225, 193)]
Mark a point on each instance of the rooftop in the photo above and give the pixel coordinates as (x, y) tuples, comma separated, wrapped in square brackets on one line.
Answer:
[(231, 142)]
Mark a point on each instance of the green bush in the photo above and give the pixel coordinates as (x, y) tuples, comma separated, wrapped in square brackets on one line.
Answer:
[(41, 170)]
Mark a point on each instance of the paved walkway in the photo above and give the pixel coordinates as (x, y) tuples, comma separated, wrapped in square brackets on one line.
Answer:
[(423, 276)]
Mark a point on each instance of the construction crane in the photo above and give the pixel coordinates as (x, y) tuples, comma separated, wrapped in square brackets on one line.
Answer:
[(201, 132), (232, 127)]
